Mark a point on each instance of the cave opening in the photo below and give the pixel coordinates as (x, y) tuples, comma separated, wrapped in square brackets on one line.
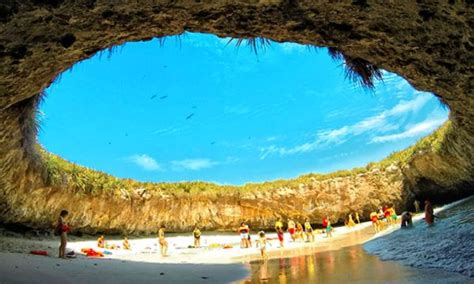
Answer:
[(198, 108)]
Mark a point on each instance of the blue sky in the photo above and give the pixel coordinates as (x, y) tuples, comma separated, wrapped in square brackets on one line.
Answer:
[(198, 109)]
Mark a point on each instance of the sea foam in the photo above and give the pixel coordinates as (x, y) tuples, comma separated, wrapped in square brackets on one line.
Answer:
[(447, 245)]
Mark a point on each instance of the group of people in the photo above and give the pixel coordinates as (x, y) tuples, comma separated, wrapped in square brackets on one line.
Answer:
[(349, 222), (297, 231), (385, 216)]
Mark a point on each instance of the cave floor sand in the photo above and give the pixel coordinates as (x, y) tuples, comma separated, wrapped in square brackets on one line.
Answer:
[(143, 264)]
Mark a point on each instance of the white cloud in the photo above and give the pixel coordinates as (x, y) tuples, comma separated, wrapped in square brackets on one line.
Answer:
[(418, 129), (146, 162), (375, 124), (410, 106), (290, 47), (194, 164)]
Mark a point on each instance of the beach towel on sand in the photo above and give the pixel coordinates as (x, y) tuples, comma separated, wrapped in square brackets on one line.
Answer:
[(39, 252), (91, 253)]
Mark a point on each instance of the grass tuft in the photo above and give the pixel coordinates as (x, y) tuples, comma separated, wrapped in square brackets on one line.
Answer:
[(256, 44)]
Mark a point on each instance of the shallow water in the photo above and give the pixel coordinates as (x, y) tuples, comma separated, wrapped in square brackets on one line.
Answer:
[(447, 245), (439, 254), (348, 265)]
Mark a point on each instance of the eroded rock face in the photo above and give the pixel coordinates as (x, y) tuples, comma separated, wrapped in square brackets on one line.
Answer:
[(430, 44), (142, 213)]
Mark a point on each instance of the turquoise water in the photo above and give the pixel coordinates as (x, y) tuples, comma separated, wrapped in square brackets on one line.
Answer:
[(349, 265), (439, 254), (447, 245)]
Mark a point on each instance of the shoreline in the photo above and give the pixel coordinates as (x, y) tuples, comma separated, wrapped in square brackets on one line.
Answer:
[(144, 264)]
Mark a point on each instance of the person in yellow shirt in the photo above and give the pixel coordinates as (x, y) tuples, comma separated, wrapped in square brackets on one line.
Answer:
[(279, 231)]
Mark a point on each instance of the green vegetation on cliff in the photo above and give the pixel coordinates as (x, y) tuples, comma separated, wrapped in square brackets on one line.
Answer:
[(82, 180)]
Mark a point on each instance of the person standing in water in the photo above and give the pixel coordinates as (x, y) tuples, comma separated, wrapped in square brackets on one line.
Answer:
[(62, 229), (406, 220), (429, 214), (197, 237), (162, 241), (262, 244)]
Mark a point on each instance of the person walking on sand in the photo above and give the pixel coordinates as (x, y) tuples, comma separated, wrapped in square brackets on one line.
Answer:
[(62, 229), (357, 218), (308, 231), (393, 215), (329, 230), (262, 244), (291, 229), (162, 241), (325, 222), (429, 214), (375, 221), (244, 235), (350, 221), (416, 203), (299, 231), (278, 225), (197, 237)]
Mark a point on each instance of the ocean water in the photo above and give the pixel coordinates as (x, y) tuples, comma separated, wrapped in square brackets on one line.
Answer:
[(443, 253), (348, 265), (448, 245)]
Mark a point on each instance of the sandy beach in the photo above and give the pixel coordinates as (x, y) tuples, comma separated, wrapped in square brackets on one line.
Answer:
[(143, 262)]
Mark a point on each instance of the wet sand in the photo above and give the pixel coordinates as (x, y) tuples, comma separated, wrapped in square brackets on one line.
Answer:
[(347, 265)]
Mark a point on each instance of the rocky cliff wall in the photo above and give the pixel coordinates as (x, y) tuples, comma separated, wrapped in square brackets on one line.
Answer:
[(430, 43)]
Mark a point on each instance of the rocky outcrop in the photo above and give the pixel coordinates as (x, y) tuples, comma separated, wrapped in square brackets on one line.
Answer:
[(143, 211), (428, 43)]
